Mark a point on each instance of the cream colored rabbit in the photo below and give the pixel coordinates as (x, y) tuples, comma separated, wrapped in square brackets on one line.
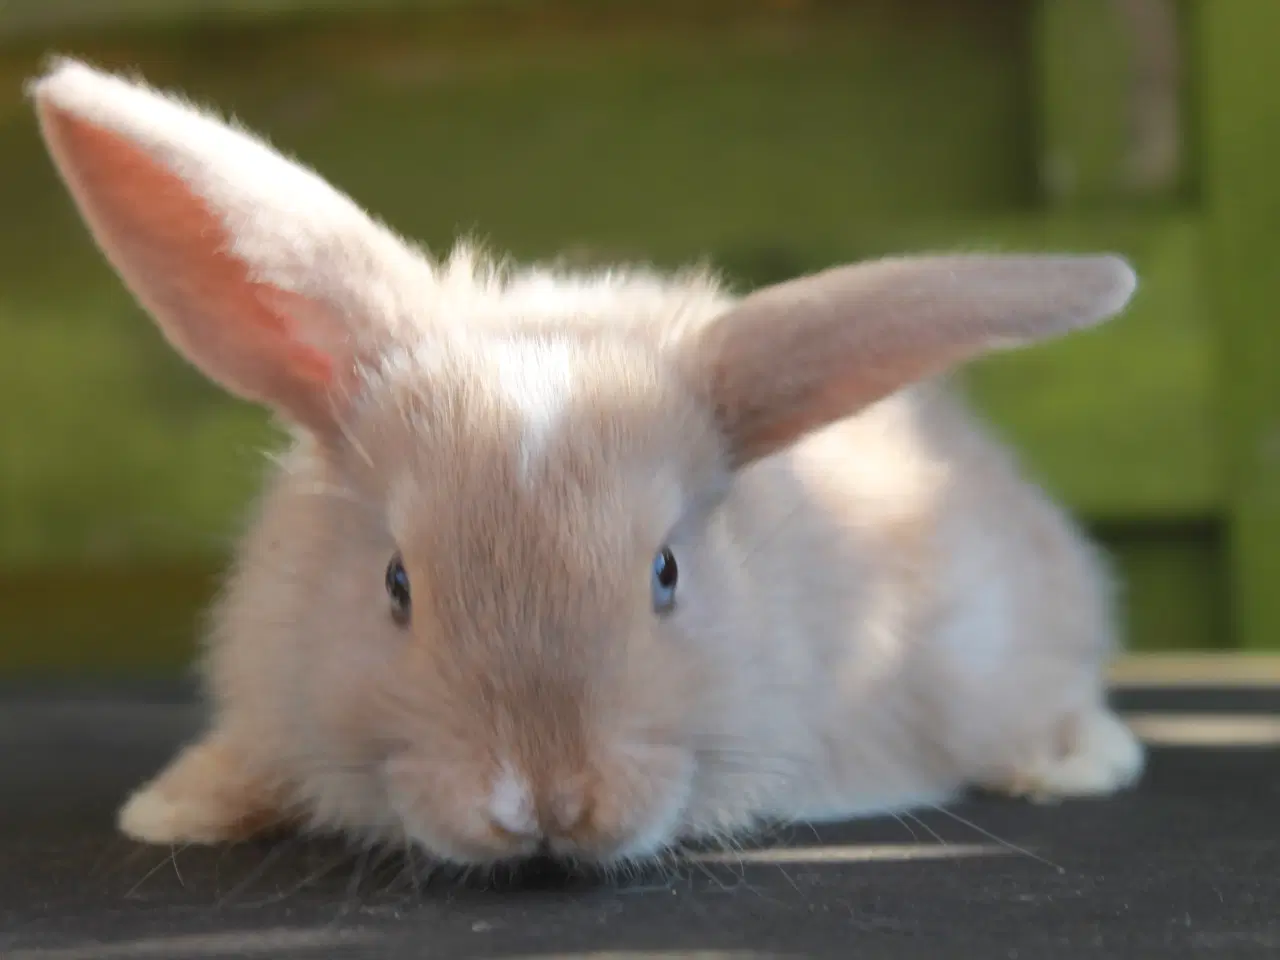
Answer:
[(599, 563)]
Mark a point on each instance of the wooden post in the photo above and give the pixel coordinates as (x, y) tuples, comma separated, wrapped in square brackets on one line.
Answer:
[(1238, 87), (1108, 107)]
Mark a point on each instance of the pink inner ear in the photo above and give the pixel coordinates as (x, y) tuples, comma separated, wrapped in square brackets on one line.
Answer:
[(172, 251)]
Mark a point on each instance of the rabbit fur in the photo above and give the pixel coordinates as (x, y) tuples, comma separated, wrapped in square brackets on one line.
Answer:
[(596, 562)]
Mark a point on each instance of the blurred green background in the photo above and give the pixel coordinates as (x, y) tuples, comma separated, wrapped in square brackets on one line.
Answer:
[(769, 138)]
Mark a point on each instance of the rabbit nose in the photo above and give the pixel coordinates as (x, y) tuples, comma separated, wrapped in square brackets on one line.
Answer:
[(511, 810), (514, 811)]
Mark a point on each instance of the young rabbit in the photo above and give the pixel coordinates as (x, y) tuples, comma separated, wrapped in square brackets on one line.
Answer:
[(596, 564)]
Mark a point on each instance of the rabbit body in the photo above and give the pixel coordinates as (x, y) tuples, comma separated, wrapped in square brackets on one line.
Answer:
[(886, 613)]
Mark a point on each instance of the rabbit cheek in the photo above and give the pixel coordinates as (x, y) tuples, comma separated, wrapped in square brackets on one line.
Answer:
[(637, 805), (441, 809)]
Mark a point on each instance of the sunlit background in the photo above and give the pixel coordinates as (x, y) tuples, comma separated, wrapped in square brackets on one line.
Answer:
[(767, 137)]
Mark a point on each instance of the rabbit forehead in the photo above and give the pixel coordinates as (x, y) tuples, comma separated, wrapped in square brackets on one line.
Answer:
[(530, 429), (537, 383)]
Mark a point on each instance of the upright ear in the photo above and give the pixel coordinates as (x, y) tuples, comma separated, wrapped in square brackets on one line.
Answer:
[(794, 357), (263, 276)]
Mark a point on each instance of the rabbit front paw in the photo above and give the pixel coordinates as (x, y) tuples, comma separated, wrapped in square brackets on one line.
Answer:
[(204, 796)]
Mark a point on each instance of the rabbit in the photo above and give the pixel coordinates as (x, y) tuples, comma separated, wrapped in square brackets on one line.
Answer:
[(596, 564)]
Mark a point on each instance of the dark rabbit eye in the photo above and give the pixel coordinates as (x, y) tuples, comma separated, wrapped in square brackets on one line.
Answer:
[(398, 590), (665, 575)]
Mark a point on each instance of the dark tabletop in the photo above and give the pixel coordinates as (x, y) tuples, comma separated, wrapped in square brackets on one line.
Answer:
[(1188, 865)]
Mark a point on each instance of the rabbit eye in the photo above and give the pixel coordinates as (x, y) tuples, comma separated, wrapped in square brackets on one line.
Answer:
[(398, 590), (665, 576)]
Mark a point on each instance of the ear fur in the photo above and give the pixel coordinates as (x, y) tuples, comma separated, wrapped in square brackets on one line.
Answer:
[(794, 357), (256, 270)]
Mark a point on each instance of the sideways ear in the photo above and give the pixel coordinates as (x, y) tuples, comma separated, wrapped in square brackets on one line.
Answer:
[(797, 356), (262, 275)]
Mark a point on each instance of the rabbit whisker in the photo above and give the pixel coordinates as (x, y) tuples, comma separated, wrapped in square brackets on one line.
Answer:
[(1013, 847)]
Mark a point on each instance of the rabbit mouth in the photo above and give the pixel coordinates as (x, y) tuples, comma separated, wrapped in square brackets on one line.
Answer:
[(546, 854), (449, 825)]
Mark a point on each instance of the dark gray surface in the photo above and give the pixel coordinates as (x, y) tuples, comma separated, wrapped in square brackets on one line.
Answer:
[(1187, 866)]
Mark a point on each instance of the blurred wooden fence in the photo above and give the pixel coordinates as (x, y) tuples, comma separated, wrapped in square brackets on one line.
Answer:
[(770, 137)]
